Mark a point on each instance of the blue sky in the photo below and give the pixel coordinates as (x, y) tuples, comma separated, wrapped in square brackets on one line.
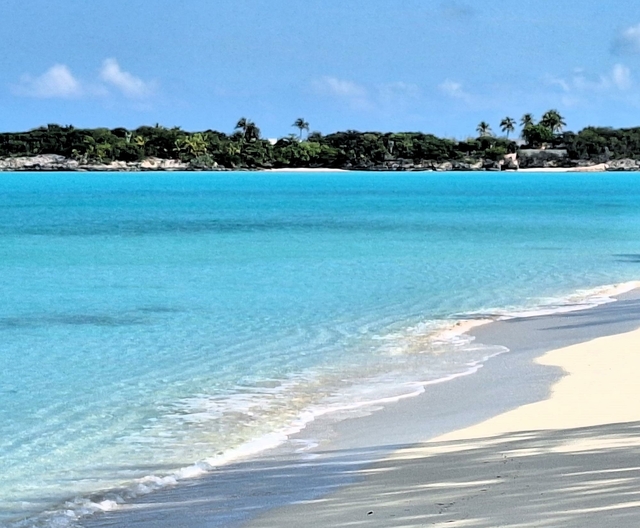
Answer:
[(437, 66)]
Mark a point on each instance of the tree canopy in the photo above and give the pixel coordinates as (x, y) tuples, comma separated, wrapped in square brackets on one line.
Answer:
[(507, 125), (553, 121), (301, 124), (245, 148), (484, 129)]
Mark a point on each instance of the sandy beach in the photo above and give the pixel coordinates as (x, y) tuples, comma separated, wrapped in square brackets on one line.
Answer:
[(594, 168), (569, 460), (304, 170), (544, 435), (601, 167)]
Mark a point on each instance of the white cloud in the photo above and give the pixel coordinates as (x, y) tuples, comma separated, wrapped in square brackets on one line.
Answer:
[(627, 41), (621, 77), (581, 87), (397, 98), (59, 83), (392, 97), (339, 88), (128, 84), (454, 89), (617, 80), (456, 10), (56, 82), (348, 91), (398, 92)]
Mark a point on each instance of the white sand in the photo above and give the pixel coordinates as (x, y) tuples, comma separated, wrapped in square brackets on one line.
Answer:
[(305, 170), (601, 167), (572, 460), (595, 168)]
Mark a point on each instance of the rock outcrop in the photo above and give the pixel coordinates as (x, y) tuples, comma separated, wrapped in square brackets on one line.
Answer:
[(51, 162), (510, 162), (523, 159), (544, 159), (163, 164), (623, 165), (54, 162)]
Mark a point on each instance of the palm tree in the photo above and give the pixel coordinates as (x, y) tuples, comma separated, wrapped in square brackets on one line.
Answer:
[(252, 132), (301, 124), (507, 125), (553, 121), (527, 121), (242, 124), (484, 129), (249, 129)]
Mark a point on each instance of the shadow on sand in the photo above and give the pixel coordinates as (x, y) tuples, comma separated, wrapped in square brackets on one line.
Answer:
[(536, 478)]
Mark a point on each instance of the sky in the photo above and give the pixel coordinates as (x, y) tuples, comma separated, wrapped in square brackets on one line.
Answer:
[(438, 66)]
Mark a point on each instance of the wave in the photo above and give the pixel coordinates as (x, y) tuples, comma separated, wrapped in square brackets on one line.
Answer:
[(355, 397)]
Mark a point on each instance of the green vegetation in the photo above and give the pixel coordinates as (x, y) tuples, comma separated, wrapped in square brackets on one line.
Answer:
[(301, 124), (527, 120), (508, 125), (553, 121), (484, 129), (245, 148)]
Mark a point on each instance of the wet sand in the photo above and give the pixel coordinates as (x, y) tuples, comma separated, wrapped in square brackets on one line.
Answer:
[(518, 443)]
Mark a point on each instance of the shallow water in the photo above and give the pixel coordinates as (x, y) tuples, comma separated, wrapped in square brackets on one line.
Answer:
[(151, 321)]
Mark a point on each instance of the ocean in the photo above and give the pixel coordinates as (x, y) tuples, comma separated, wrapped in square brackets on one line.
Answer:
[(156, 325)]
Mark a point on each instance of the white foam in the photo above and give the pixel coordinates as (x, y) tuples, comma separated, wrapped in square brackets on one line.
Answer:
[(449, 335), (582, 299)]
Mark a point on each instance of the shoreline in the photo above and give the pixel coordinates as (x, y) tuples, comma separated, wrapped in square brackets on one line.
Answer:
[(568, 460), (173, 169), (355, 441), (55, 163), (575, 448), (109, 170)]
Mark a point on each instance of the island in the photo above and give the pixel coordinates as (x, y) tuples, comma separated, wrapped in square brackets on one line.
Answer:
[(541, 145)]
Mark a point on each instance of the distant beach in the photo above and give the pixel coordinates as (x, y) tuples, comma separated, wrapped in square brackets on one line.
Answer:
[(305, 170), (601, 167)]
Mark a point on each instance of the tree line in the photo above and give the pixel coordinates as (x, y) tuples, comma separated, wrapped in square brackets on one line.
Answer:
[(534, 134), (246, 148)]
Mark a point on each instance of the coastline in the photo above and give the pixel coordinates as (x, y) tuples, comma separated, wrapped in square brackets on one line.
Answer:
[(601, 167), (237, 492), (566, 459), (408, 280), (56, 163), (175, 167)]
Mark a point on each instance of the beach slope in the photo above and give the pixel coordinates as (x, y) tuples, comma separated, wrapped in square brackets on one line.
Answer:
[(569, 460)]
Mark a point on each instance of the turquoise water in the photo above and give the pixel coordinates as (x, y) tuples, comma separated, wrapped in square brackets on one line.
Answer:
[(149, 322)]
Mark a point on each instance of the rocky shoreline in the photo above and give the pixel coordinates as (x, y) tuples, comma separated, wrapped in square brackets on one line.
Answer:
[(531, 159)]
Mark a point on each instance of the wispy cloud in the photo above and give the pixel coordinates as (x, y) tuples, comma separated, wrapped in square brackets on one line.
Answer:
[(128, 84), (627, 42), (398, 93), (454, 90), (456, 10), (382, 98), (581, 86), (621, 77), (618, 79), (355, 95), (56, 82)]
